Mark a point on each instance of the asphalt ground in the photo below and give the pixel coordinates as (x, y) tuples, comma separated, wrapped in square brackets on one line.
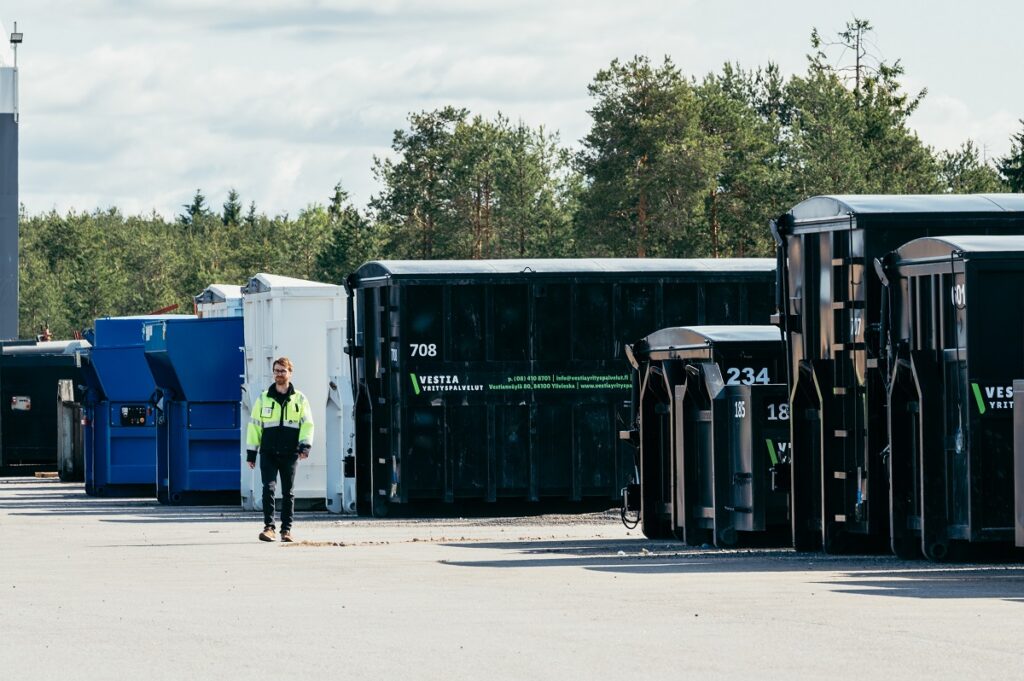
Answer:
[(129, 589)]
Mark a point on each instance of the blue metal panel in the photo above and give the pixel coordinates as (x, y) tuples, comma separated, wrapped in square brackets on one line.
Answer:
[(123, 373), (212, 415), (200, 463), (118, 357), (120, 430), (92, 412), (121, 331), (120, 448), (201, 360), (198, 366), (93, 387)]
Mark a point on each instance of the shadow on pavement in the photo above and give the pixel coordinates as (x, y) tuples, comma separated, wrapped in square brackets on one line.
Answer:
[(858, 575), (27, 497)]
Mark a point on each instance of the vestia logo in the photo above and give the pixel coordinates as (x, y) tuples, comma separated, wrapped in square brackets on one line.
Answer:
[(440, 383), (439, 379), (993, 397), (777, 451)]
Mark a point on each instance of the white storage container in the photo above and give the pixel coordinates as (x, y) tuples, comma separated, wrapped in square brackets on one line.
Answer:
[(219, 300), (286, 317), (339, 429)]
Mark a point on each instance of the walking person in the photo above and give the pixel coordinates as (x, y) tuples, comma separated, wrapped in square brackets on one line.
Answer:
[(281, 431)]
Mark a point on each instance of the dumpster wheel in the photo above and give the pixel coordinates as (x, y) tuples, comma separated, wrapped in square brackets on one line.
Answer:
[(726, 538), (945, 551)]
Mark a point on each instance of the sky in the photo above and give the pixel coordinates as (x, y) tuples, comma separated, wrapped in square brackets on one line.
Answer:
[(136, 104)]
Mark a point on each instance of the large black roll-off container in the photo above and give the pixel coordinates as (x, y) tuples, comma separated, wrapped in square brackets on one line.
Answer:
[(506, 380), (712, 430), (954, 347), (29, 374), (830, 313)]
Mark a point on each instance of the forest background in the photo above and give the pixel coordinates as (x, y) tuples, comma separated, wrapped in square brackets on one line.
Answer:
[(673, 166)]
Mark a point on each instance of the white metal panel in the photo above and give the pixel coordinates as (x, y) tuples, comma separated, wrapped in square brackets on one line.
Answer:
[(287, 319), (339, 430), (228, 308)]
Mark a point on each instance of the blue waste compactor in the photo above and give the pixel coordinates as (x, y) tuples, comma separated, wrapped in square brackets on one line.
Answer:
[(198, 366), (119, 421)]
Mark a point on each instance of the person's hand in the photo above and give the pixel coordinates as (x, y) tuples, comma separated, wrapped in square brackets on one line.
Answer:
[(304, 454), (252, 464)]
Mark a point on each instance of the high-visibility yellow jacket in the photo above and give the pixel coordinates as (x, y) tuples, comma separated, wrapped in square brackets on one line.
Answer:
[(279, 424)]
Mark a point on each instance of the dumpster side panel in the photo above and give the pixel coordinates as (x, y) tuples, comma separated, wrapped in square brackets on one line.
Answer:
[(995, 360), (512, 440), (289, 320), (596, 436), (832, 320), (951, 433), (28, 398), (1018, 462), (198, 366), (553, 447), (338, 430), (513, 386), (423, 460)]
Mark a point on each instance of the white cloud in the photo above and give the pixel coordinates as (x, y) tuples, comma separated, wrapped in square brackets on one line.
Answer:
[(947, 122), (6, 51), (136, 104)]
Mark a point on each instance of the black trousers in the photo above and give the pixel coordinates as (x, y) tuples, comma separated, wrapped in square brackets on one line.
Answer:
[(271, 466)]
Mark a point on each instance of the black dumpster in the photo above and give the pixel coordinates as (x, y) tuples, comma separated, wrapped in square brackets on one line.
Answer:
[(830, 305), (1018, 462), (712, 427), (505, 379), (951, 301), (29, 372)]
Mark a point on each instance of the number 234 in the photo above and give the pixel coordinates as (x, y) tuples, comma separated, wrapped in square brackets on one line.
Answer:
[(746, 376)]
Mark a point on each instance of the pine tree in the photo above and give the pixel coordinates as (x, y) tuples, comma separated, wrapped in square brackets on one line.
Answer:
[(232, 209), (964, 172), (194, 211), (647, 162), (337, 203), (1011, 166), (350, 241)]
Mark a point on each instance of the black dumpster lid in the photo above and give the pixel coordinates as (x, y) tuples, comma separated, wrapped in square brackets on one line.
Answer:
[(703, 336), (842, 205), (944, 247), (448, 268)]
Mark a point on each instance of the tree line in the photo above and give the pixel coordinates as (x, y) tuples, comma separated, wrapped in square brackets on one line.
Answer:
[(672, 166)]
